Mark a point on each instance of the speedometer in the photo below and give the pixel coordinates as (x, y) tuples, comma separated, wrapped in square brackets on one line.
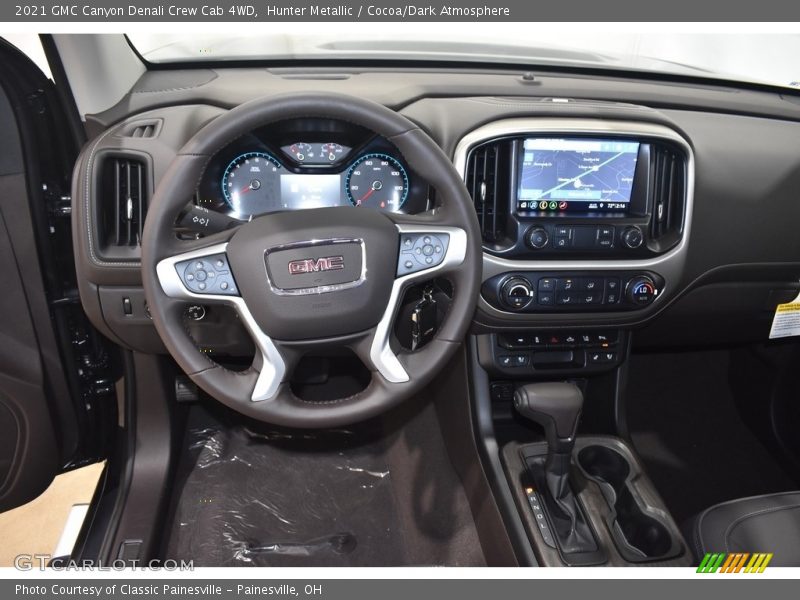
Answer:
[(377, 181), (251, 184)]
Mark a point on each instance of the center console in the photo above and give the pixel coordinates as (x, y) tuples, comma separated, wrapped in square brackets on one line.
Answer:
[(585, 225), (578, 216)]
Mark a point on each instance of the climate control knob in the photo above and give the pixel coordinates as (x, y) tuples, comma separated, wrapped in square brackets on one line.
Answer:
[(641, 290), (537, 237), (632, 237), (516, 293)]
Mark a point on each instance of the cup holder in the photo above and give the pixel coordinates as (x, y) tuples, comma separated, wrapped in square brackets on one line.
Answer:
[(640, 536)]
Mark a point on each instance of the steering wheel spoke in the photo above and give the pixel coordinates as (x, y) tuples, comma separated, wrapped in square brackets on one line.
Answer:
[(203, 274), (426, 250)]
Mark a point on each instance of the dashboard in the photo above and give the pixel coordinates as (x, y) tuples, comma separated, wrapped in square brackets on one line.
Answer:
[(615, 205), (315, 163)]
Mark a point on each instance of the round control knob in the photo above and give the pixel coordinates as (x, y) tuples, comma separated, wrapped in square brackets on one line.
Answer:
[(196, 312), (632, 237), (516, 293), (641, 290), (537, 238)]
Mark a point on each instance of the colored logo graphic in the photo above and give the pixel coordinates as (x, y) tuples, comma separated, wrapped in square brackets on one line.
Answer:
[(740, 562)]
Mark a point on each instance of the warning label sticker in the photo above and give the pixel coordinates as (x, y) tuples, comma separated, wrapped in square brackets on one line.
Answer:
[(786, 321)]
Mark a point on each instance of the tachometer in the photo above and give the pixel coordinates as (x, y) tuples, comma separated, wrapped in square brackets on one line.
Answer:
[(251, 184), (377, 181)]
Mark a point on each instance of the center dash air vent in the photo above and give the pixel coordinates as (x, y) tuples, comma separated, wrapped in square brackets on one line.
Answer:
[(123, 205), (487, 178), (669, 195)]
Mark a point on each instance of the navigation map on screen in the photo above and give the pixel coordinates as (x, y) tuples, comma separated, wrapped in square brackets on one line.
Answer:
[(576, 174)]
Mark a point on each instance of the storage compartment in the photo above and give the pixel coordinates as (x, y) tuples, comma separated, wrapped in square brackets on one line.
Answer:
[(639, 529)]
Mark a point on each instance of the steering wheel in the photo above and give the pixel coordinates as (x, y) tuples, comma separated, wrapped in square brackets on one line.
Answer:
[(312, 279)]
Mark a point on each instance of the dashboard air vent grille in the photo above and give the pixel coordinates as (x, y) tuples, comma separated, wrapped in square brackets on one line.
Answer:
[(144, 131), (669, 192), (141, 129), (124, 217), (487, 179)]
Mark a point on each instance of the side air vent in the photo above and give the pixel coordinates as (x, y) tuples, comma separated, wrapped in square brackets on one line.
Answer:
[(487, 177), (669, 195), (124, 203), (141, 129)]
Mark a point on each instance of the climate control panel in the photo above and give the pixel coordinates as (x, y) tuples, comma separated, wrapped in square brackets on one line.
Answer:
[(587, 291)]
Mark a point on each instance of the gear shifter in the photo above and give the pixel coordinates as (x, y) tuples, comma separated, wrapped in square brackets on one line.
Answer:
[(557, 408)]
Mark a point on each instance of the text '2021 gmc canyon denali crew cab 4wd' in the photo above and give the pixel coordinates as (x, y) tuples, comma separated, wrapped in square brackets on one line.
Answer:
[(476, 308)]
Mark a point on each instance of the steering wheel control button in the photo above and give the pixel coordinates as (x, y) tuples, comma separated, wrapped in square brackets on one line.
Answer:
[(209, 275), (420, 251)]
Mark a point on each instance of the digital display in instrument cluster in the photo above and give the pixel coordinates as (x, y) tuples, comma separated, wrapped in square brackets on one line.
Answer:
[(310, 191), (576, 174)]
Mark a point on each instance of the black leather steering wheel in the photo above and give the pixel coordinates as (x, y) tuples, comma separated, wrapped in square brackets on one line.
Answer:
[(312, 279)]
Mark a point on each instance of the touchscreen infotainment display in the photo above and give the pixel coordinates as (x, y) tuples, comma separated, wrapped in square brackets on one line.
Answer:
[(576, 175)]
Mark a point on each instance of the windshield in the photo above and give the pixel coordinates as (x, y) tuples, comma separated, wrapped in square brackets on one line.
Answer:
[(755, 58)]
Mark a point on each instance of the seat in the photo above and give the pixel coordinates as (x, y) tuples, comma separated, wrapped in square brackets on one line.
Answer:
[(769, 523)]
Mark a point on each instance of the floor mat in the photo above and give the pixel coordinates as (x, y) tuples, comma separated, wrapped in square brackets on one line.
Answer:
[(684, 425), (350, 497)]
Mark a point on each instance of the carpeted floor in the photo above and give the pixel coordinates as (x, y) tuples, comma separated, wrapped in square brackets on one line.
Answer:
[(684, 424), (262, 497)]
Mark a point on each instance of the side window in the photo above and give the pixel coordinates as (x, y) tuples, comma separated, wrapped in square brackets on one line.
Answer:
[(31, 45)]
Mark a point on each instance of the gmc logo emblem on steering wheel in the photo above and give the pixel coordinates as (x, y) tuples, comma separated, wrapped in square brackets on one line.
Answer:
[(315, 265)]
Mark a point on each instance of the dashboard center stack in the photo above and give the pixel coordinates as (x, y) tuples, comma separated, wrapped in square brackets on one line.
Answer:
[(577, 213)]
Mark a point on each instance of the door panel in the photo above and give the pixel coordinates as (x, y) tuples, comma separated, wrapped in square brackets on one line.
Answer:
[(56, 395), (28, 452)]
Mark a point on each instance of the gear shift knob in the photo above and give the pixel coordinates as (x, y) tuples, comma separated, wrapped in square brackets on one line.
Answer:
[(555, 406)]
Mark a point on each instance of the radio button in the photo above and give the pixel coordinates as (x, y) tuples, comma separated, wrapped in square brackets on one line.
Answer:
[(632, 237), (605, 236), (605, 232), (537, 237), (563, 231)]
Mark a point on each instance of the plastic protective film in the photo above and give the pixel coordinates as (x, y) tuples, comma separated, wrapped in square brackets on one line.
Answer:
[(252, 496)]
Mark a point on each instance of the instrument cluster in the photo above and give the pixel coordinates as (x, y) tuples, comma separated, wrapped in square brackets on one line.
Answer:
[(310, 164)]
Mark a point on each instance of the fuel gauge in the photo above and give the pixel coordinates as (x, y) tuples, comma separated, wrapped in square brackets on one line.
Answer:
[(301, 152), (332, 152)]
